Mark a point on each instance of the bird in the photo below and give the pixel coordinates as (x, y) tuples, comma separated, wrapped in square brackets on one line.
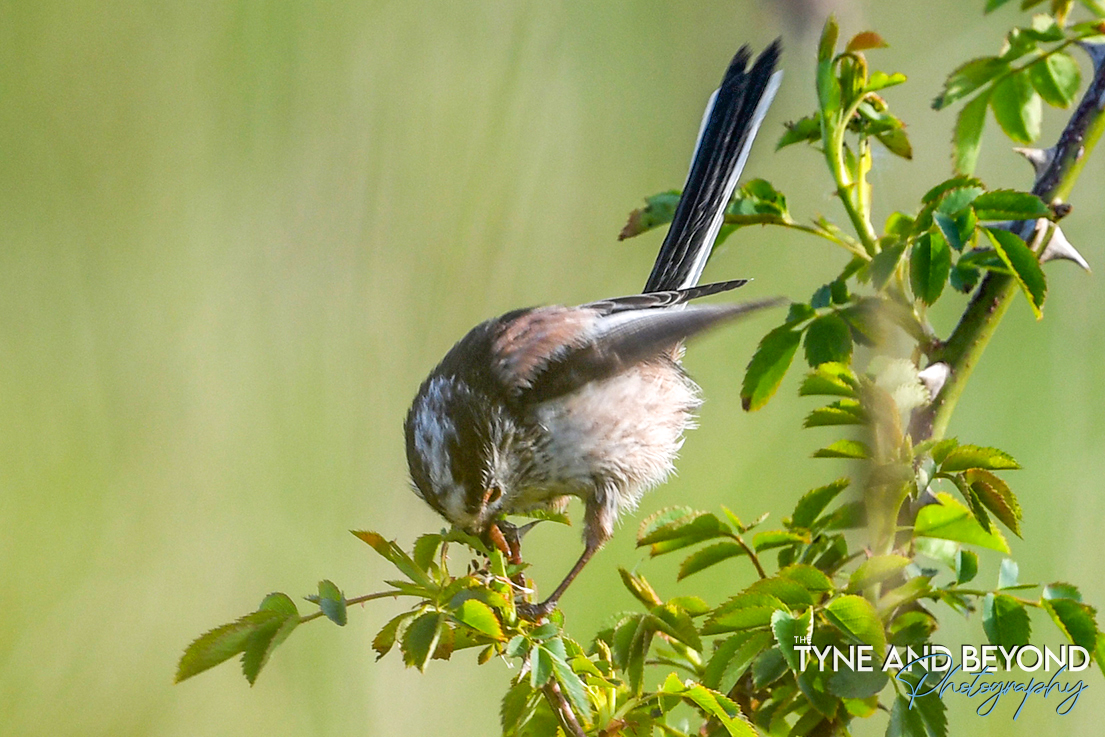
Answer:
[(542, 404)]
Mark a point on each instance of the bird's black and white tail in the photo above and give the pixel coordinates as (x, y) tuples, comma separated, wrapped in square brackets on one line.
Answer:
[(729, 126)]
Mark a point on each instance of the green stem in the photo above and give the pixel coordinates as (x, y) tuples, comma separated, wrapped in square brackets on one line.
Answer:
[(847, 190), (355, 600), (967, 342)]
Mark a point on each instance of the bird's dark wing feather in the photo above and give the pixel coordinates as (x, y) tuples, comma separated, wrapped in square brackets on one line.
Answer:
[(669, 298), (623, 339)]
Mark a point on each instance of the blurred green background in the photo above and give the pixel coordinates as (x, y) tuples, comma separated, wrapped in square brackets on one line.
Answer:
[(234, 236)]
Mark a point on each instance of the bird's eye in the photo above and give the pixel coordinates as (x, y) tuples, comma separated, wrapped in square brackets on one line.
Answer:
[(492, 495)]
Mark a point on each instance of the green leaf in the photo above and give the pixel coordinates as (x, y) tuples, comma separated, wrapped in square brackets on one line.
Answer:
[(332, 603), (814, 502), (828, 340), (904, 721), (1076, 620), (881, 80), (787, 629), (967, 138), (844, 449), (966, 566), (830, 379), (856, 618), (1005, 620), (658, 210), (768, 366), (1060, 590), (639, 587), (968, 77), (221, 644), (929, 264), (992, 5), (479, 617), (743, 612), (769, 539), (518, 707), (849, 684), (884, 264), (1057, 78), (809, 578), (803, 129), (965, 457), (570, 683), (826, 47), (1025, 266), (541, 666), (385, 638), (719, 707), (420, 639), (1008, 573), (732, 658), (266, 637), (996, 495), (1017, 108), (950, 520), (393, 553), (768, 667), (1009, 204), (844, 412), (876, 570), (709, 556)]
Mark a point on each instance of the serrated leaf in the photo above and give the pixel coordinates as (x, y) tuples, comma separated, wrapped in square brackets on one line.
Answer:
[(331, 602), (1057, 78), (517, 706), (220, 644), (768, 667), (787, 629), (830, 379), (996, 495), (881, 80), (968, 77), (857, 619), (883, 266), (265, 638), (807, 577), (541, 667), (1076, 620), (849, 684), (1008, 573), (964, 457), (692, 605), (803, 129), (967, 138), (732, 658), (828, 340), (640, 588), (844, 449), (844, 412), (966, 566), (1025, 267), (950, 520), (1060, 590), (425, 548), (768, 366), (814, 502), (658, 210), (420, 639), (897, 142), (929, 264), (876, 570), (385, 638), (395, 555), (720, 708), (709, 556), (479, 617), (1017, 108), (664, 518), (742, 612), (992, 5), (1009, 204), (1005, 620)]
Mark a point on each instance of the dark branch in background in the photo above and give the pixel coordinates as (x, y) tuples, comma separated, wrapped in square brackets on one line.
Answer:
[(1054, 182)]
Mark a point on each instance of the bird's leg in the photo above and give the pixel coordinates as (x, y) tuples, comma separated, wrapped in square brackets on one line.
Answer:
[(537, 611), (598, 526)]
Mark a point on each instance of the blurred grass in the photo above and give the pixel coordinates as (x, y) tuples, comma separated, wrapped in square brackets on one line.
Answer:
[(234, 237)]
